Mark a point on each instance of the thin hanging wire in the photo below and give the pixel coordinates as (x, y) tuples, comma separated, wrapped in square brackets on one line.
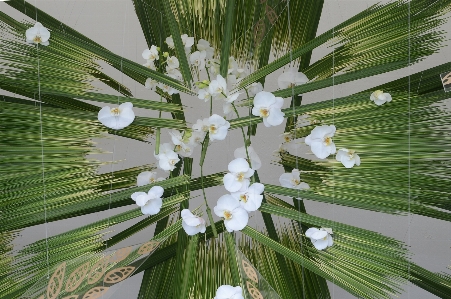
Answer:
[(290, 49), (409, 193), (42, 153)]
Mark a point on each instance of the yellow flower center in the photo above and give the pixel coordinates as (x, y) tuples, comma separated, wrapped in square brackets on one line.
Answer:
[(287, 138), (264, 112), (243, 198), (115, 111), (291, 85), (240, 177), (351, 154), (227, 215), (327, 140), (172, 162), (152, 180), (178, 148), (213, 129), (377, 93), (37, 39), (295, 181), (205, 128)]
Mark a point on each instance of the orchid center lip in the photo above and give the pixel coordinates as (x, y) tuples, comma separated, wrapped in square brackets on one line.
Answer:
[(243, 198), (115, 111), (213, 129), (37, 39), (264, 112), (327, 140), (227, 215), (240, 177)]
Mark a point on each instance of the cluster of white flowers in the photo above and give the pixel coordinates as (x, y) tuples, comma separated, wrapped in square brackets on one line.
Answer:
[(244, 197), (321, 238)]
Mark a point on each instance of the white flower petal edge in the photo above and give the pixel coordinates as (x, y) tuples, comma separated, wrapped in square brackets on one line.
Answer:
[(117, 118), (348, 158), (379, 97), (229, 292), (38, 34), (293, 180), (191, 223), (229, 208), (321, 238), (320, 141), (255, 159)]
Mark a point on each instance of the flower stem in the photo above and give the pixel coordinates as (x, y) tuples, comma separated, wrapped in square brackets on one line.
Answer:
[(157, 136), (244, 136), (201, 163)]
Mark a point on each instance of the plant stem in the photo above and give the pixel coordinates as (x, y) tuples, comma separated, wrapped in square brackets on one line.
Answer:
[(157, 137), (244, 136), (201, 163)]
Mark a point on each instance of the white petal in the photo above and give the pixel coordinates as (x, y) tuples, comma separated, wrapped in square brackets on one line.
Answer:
[(278, 104), (227, 108), (31, 33), (189, 229), (238, 165), (387, 97), (152, 207), (310, 231), (330, 241), (320, 244), (239, 220), (357, 159), (256, 188), (319, 149), (276, 117), (226, 202), (142, 199), (348, 163), (136, 194), (285, 180), (303, 186), (156, 191), (319, 235), (263, 99), (230, 183)]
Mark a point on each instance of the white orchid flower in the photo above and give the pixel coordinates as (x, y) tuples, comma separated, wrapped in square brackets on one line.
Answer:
[(255, 88), (150, 202), (251, 198), (192, 224), (150, 64), (217, 127), (151, 54), (291, 78), (38, 34), (227, 106), (256, 163), (320, 141), (229, 292), (201, 125), (214, 65), (267, 106), (170, 42), (151, 83), (164, 149), (167, 88), (117, 118), (203, 45), (147, 177), (198, 59), (196, 137), (238, 177), (229, 208), (293, 180), (379, 97), (173, 73), (218, 87), (321, 238), (188, 41), (204, 94), (184, 149), (172, 62), (348, 158), (167, 161)]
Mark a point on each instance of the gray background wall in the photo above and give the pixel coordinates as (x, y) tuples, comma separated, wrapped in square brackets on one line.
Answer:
[(113, 24)]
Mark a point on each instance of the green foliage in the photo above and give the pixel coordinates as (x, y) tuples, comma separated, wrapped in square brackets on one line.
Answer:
[(48, 133)]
